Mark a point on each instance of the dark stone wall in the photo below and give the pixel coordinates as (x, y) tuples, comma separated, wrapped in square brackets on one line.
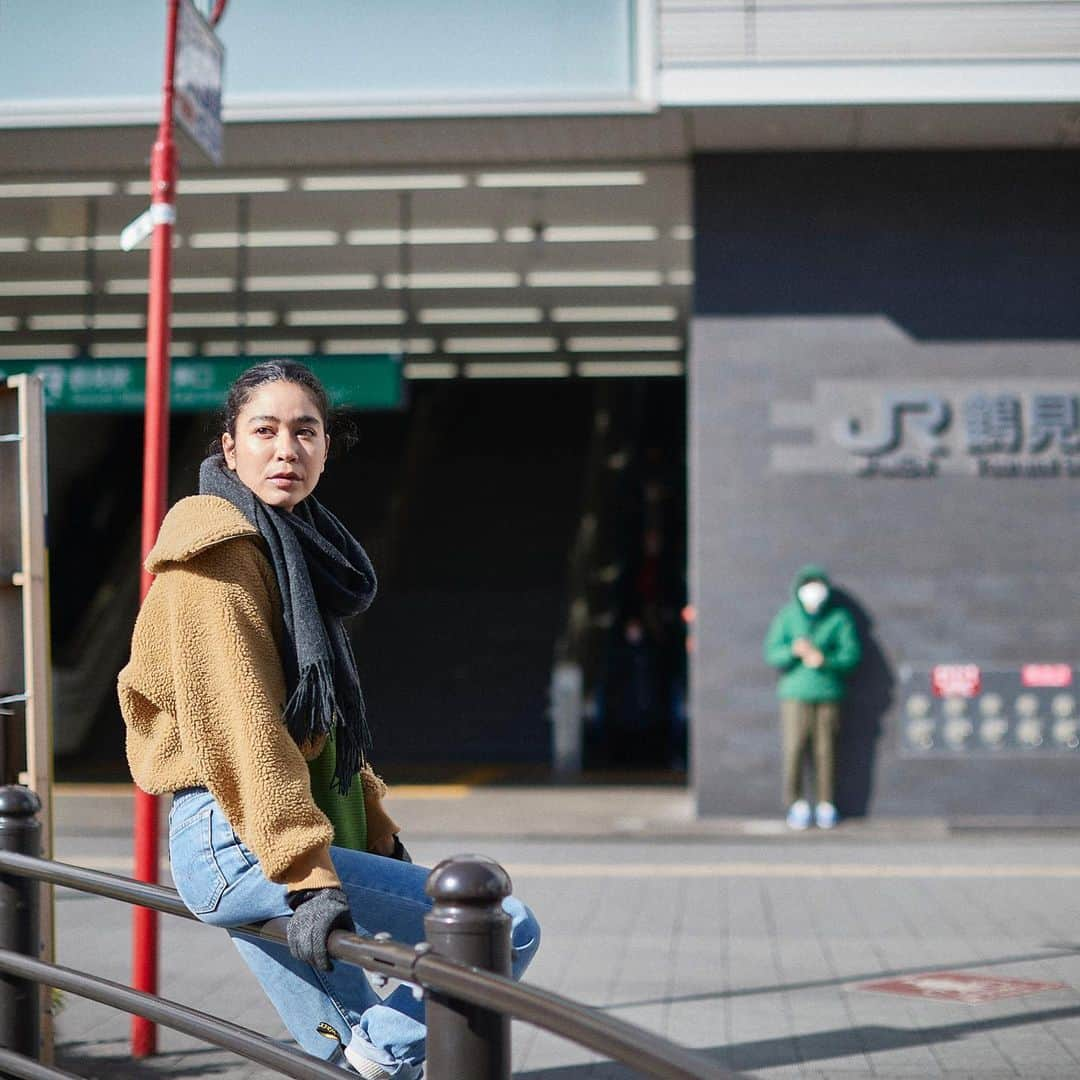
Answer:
[(836, 294)]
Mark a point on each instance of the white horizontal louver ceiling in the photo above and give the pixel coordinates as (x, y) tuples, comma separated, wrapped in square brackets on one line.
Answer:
[(855, 31)]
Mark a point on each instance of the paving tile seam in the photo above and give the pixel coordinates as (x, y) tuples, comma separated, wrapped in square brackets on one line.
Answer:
[(593, 913), (1026, 1003), (825, 948), (976, 944), (856, 915)]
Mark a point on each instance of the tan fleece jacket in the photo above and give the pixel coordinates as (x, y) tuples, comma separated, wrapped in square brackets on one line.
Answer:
[(203, 695)]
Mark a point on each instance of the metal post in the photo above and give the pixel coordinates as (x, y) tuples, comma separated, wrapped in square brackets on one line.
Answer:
[(467, 923), (20, 922), (163, 174)]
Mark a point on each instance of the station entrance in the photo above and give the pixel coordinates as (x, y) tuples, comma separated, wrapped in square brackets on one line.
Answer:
[(515, 524)]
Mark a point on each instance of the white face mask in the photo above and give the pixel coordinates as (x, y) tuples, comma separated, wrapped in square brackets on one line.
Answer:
[(812, 595)]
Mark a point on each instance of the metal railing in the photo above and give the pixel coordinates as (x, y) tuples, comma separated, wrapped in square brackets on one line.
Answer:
[(469, 1005)]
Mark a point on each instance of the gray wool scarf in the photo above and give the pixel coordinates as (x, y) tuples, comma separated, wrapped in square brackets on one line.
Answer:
[(325, 577)]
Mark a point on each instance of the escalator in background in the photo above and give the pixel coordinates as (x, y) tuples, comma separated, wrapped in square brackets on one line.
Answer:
[(622, 653)]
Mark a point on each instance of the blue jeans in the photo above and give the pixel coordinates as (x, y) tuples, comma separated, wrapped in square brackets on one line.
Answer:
[(221, 882)]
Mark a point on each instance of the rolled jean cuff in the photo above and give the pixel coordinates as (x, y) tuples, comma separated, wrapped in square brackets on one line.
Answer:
[(361, 1048)]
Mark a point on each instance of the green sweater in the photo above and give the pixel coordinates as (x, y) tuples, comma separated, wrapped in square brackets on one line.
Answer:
[(831, 630), (346, 812)]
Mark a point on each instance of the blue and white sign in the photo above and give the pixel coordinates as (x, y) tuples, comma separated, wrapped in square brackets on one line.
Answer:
[(200, 61)]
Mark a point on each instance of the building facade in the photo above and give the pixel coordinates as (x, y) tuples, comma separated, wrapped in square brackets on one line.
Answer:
[(845, 230)]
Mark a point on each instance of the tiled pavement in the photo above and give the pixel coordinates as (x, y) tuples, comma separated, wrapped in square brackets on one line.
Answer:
[(750, 946)]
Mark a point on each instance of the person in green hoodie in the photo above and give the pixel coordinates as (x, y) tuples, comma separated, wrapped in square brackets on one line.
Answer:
[(813, 642)]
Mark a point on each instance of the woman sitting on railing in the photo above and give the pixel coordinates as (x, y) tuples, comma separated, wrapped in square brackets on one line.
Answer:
[(242, 699)]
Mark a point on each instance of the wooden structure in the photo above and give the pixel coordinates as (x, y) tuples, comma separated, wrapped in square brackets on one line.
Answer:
[(25, 669)]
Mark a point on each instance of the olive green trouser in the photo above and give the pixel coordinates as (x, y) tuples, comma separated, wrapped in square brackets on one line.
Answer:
[(809, 723)]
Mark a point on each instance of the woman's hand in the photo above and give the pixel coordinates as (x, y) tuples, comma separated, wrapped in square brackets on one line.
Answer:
[(316, 912), (384, 845), (392, 847)]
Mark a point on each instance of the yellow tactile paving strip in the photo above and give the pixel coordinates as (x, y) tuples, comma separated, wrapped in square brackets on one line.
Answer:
[(788, 870), (714, 870)]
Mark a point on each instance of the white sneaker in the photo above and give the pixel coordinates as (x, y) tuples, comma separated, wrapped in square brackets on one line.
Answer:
[(372, 1070), (798, 815), (824, 815)]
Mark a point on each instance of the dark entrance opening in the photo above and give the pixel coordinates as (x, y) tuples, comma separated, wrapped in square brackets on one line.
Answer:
[(472, 502)]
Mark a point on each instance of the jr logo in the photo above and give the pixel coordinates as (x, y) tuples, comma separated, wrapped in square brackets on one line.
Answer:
[(928, 415), (992, 427)]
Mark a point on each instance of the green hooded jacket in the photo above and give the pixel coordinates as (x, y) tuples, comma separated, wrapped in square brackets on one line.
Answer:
[(831, 630)]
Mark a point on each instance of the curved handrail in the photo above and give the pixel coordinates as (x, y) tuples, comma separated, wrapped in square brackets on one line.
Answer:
[(17, 1065), (646, 1052), (183, 1018)]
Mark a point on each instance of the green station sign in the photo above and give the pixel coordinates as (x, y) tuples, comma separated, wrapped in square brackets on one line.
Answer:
[(199, 384)]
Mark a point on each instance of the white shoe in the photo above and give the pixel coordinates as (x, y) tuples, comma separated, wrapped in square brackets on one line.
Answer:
[(798, 815), (372, 1070), (824, 815)]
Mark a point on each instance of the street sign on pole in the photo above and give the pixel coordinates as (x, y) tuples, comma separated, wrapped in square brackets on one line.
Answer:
[(143, 226), (200, 59)]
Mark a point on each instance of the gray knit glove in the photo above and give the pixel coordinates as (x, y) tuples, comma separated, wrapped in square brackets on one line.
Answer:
[(316, 912)]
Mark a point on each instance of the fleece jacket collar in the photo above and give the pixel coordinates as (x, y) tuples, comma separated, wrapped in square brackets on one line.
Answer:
[(193, 525)]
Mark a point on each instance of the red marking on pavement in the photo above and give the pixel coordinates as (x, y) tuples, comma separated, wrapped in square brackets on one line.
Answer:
[(956, 986)]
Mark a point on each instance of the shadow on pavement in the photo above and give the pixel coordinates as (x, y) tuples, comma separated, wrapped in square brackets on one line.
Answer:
[(110, 1059), (598, 1070), (1053, 952), (818, 1046), (871, 1038)]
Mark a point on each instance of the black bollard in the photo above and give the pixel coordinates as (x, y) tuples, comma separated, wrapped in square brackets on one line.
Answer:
[(20, 922), (467, 923)]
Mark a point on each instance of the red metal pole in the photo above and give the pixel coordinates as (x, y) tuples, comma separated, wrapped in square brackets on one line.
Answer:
[(163, 174)]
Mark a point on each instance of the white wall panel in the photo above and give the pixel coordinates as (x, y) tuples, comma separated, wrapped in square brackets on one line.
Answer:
[(867, 31), (703, 33)]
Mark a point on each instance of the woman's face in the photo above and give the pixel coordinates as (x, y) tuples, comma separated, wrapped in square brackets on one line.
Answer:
[(280, 446)]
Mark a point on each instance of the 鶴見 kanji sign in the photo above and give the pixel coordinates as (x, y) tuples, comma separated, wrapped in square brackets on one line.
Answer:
[(997, 428)]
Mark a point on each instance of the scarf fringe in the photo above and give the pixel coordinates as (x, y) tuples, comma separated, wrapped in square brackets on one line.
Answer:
[(312, 711)]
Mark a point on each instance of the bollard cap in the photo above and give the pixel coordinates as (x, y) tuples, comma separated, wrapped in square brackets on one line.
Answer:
[(468, 879), (18, 801)]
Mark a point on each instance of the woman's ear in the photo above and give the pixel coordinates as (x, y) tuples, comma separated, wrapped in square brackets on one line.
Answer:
[(228, 448)]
